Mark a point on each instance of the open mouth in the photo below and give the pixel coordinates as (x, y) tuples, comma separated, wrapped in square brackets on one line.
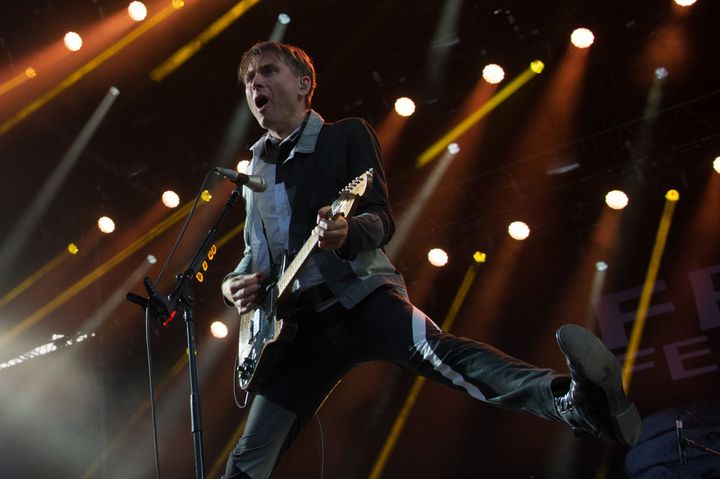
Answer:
[(261, 101)]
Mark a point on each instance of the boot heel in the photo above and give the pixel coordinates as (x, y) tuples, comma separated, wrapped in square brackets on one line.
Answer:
[(627, 425)]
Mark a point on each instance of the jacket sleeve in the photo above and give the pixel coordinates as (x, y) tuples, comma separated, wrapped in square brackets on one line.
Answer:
[(372, 225)]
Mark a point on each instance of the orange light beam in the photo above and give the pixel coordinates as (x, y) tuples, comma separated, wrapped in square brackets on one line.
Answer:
[(18, 80), (85, 69)]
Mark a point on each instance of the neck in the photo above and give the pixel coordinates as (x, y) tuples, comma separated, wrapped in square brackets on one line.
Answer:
[(283, 131)]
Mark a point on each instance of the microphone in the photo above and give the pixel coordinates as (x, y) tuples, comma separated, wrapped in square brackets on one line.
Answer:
[(680, 440), (254, 182)]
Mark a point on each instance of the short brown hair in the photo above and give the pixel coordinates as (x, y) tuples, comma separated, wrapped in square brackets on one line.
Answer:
[(294, 57)]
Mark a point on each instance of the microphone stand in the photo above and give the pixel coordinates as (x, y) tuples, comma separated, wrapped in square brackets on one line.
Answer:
[(164, 309), (683, 442)]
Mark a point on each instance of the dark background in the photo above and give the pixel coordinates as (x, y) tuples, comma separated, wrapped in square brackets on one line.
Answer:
[(82, 411)]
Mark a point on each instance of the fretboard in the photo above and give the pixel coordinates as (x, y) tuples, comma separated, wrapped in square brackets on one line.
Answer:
[(291, 271)]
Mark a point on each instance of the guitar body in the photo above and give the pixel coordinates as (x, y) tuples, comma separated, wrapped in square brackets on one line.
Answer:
[(260, 345), (262, 332)]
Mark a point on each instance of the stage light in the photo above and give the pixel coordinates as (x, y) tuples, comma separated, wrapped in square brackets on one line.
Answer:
[(151, 259), (479, 257), (601, 266), (30, 72), (437, 257), (518, 230), (537, 66), (219, 329), (453, 148), (685, 3), (616, 199), (404, 106), (672, 195), (72, 248), (493, 73), (170, 199), (137, 11), (106, 225), (178, 4), (73, 41), (206, 196), (582, 37), (284, 18), (243, 166), (716, 164), (661, 73)]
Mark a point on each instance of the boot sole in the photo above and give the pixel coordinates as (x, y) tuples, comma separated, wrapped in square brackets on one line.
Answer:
[(593, 360)]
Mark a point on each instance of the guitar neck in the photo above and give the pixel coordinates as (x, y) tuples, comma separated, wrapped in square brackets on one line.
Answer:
[(286, 279)]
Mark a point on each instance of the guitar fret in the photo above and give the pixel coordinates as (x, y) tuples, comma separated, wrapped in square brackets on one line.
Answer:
[(295, 265)]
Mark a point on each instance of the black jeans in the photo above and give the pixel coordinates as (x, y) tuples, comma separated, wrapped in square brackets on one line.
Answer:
[(384, 326)]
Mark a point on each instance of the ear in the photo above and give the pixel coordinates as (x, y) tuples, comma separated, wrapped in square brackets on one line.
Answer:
[(304, 85)]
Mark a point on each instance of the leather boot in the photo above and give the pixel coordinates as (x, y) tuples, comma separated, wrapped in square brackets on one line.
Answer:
[(594, 403)]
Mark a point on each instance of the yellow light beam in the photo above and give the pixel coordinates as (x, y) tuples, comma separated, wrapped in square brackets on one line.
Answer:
[(401, 419), (85, 69), (160, 72), (671, 198), (440, 145), (93, 276), (137, 415), (33, 278), (18, 80)]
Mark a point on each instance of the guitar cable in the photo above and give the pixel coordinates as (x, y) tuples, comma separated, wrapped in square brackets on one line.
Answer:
[(153, 415), (322, 446), (152, 394)]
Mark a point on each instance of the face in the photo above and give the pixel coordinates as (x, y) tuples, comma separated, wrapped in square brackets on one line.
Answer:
[(275, 95)]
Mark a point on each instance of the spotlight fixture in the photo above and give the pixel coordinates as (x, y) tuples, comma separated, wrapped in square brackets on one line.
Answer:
[(616, 199), (601, 266), (72, 248), (242, 166), (661, 73), (219, 329), (206, 196), (106, 225), (170, 199), (537, 66), (582, 37), (284, 18), (151, 259), (479, 257), (672, 195), (73, 41), (404, 106), (518, 230), (137, 11), (716, 164), (493, 74), (453, 148), (30, 72), (685, 3), (437, 257), (178, 4)]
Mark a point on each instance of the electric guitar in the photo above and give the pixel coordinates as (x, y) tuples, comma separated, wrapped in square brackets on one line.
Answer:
[(263, 331)]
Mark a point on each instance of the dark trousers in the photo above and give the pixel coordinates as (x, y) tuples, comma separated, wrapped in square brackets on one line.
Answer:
[(384, 326)]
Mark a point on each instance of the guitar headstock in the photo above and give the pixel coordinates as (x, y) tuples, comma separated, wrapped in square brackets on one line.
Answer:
[(345, 203)]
